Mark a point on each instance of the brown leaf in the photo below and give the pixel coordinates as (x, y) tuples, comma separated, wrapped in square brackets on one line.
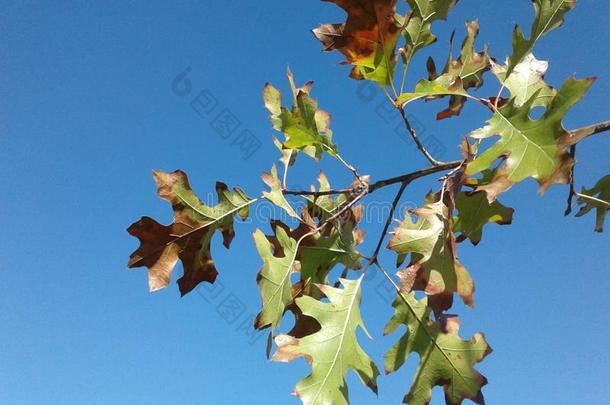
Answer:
[(367, 38), (160, 248), (188, 237)]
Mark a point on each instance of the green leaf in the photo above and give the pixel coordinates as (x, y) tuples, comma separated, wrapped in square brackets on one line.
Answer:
[(444, 358), (274, 277), (306, 250), (549, 15), (434, 267), (334, 349), (306, 127), (533, 148), (276, 196), (441, 86), (424, 12), (527, 80), (189, 237), (597, 197), (337, 246), (469, 67), (474, 211), (367, 39)]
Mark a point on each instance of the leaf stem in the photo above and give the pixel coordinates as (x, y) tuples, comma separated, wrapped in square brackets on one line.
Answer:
[(593, 199)]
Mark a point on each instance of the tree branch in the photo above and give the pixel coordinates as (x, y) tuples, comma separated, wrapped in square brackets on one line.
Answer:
[(408, 177)]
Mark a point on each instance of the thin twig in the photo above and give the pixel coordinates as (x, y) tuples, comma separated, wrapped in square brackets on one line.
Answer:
[(572, 191), (415, 138), (388, 221), (414, 175)]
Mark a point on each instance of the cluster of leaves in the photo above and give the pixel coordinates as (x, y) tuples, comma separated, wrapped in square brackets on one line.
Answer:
[(294, 278)]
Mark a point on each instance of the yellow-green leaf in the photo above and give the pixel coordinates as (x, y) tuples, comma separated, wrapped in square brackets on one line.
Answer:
[(333, 350)]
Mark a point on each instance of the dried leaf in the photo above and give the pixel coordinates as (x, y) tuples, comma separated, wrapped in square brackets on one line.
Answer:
[(367, 38), (189, 237)]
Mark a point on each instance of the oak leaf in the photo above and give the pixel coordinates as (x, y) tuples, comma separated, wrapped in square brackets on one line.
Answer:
[(444, 358), (531, 147), (332, 350), (274, 277), (549, 15), (434, 267), (418, 32), (367, 38), (443, 85), (276, 195), (527, 80), (474, 211), (469, 67), (188, 237), (306, 127)]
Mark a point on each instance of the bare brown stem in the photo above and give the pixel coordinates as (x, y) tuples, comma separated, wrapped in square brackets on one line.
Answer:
[(388, 221)]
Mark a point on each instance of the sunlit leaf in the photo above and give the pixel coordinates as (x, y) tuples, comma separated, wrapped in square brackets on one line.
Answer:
[(274, 278), (532, 147), (441, 86), (527, 80), (423, 13)]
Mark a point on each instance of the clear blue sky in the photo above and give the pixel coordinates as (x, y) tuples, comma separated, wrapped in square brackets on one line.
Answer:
[(87, 111)]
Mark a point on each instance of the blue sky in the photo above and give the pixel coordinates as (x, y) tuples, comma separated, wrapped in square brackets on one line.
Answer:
[(88, 111)]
